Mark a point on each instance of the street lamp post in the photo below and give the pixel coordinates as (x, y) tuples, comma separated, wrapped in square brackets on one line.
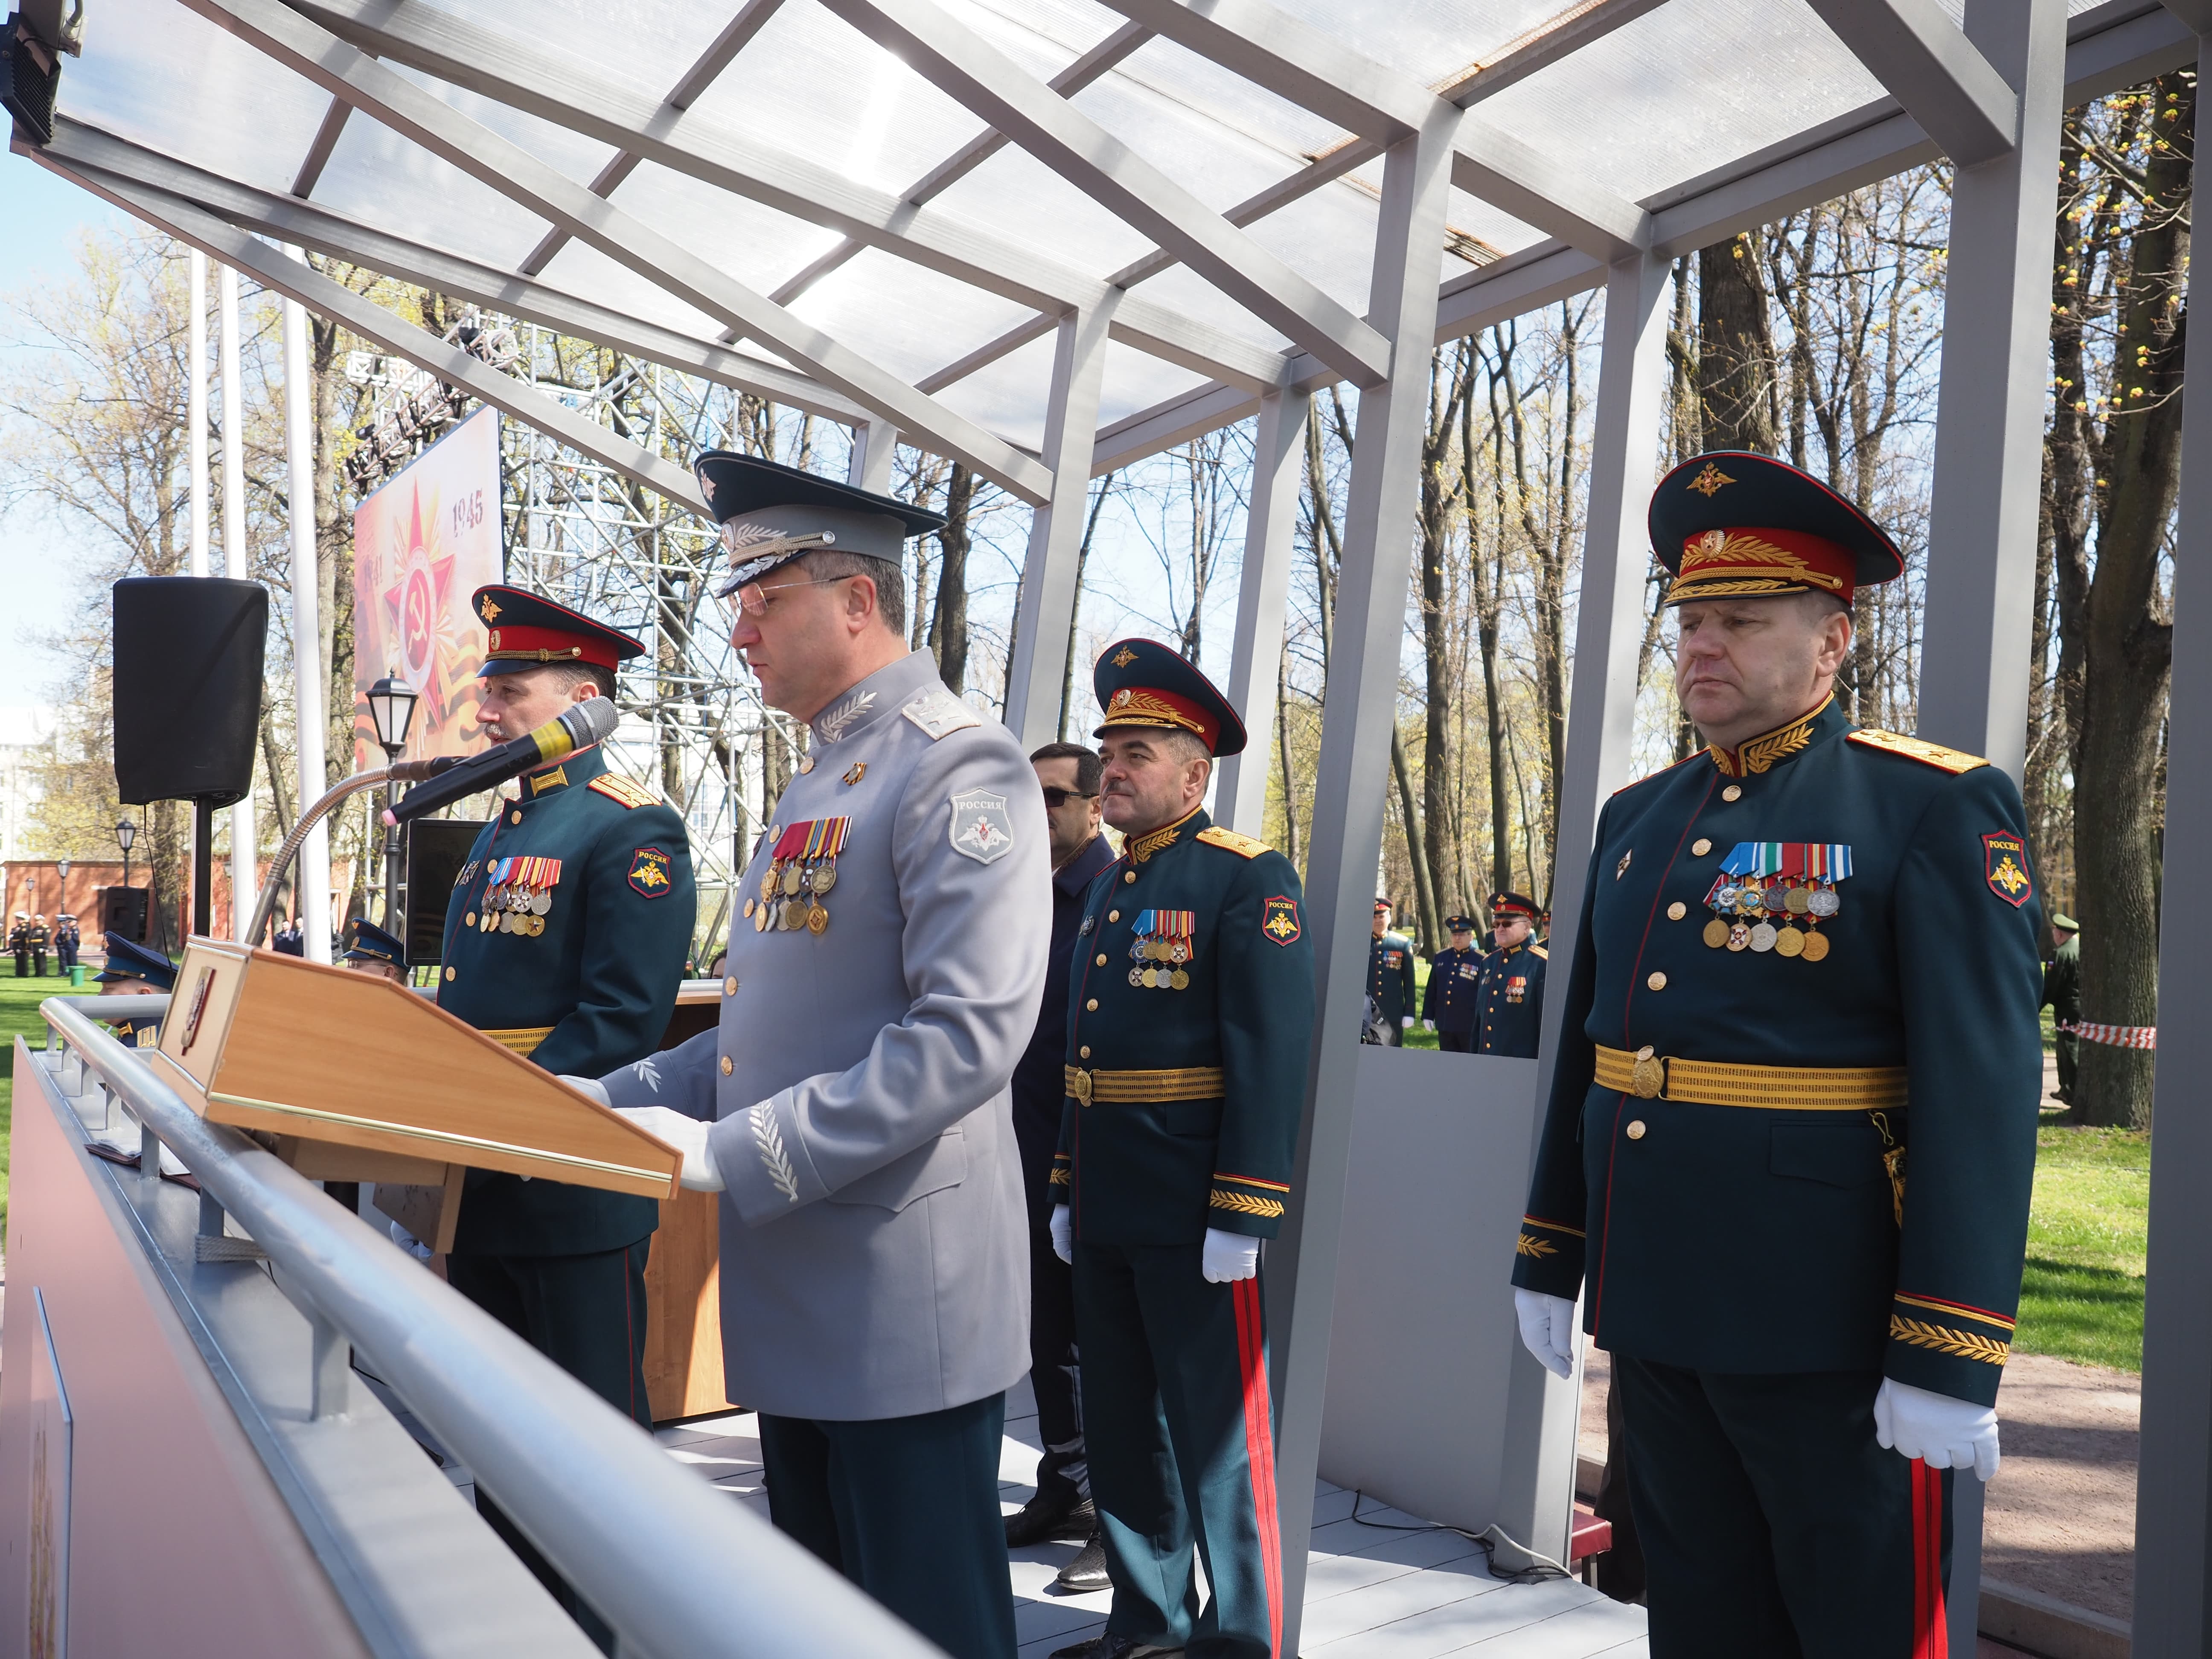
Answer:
[(126, 833), (392, 710)]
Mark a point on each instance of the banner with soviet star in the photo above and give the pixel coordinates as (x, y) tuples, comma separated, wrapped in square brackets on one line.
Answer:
[(423, 544)]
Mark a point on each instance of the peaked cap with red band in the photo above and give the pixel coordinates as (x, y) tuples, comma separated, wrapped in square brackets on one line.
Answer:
[(1515, 904), (525, 631), (1731, 524), (1142, 683)]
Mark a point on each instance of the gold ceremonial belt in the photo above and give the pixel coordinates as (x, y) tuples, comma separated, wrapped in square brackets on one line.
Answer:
[(1775, 1088), (523, 1039), (1112, 1088)]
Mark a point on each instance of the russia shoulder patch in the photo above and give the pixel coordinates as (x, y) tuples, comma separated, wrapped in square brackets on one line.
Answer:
[(981, 830), (617, 787), (648, 871), (2004, 866), (1928, 754), (939, 714), (1278, 920), (1243, 846)]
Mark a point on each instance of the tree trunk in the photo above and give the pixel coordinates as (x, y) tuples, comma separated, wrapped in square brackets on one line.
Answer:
[(1735, 347), (948, 622), (1425, 892)]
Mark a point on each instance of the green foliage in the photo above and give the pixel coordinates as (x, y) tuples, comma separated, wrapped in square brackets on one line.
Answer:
[(2081, 1295)]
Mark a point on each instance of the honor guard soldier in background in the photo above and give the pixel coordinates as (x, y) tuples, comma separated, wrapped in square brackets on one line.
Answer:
[(882, 983), (1448, 1002), (19, 944), (136, 970), (565, 939), (1390, 977), (67, 941), (1068, 773), (2062, 994), (1191, 999), (1513, 990), (37, 937), (1792, 1128)]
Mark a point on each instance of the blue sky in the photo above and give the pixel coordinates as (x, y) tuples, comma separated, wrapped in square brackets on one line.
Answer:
[(38, 245)]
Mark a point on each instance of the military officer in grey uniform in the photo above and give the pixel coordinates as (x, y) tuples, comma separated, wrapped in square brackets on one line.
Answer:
[(853, 1107)]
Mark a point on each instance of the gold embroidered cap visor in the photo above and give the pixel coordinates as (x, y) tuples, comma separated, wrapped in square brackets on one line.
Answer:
[(1143, 683), (1729, 523)]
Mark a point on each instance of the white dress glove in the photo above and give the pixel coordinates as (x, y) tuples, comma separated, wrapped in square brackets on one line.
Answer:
[(1063, 1234), (1228, 1257), (1943, 1432), (1428, 1026), (587, 1086), (1547, 1329), (1406, 1023), (687, 1135)]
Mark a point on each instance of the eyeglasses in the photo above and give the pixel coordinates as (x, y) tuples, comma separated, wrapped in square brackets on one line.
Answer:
[(754, 597), (1056, 798)]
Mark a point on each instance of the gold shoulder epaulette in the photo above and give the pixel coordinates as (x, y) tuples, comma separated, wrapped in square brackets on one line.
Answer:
[(615, 787), (1243, 845), (1928, 754), (1539, 950)]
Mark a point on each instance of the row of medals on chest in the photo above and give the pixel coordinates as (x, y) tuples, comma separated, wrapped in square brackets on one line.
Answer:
[(1164, 943), (791, 894), (514, 908), (1736, 901)]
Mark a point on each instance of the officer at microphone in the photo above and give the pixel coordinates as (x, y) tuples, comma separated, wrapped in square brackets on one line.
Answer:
[(565, 939)]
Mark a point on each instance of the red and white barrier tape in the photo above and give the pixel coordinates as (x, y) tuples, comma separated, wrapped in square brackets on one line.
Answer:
[(2117, 1036)]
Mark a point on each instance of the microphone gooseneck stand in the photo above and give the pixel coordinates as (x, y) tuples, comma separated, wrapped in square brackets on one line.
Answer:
[(403, 772)]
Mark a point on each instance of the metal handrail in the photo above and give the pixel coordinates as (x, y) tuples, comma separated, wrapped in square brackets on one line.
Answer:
[(680, 1570)]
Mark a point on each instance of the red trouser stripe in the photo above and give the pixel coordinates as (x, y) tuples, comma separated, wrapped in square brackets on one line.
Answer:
[(1931, 1635), (1259, 1449)]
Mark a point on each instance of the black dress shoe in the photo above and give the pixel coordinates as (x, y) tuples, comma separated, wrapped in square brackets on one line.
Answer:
[(1045, 1521), (1115, 1647), (1087, 1572)]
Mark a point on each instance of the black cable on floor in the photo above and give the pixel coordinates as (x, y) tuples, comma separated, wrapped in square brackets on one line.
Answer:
[(1542, 1573)]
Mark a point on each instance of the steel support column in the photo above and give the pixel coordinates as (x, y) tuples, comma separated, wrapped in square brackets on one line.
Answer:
[(310, 684), (1047, 610), (1989, 412), (1536, 1490), (2174, 1479), (874, 447), (196, 402), (1271, 522), (244, 840), (1347, 824)]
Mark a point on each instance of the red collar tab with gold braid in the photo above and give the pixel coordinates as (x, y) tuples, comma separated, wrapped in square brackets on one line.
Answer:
[(1752, 562), (1139, 705), (1143, 847), (1753, 756)]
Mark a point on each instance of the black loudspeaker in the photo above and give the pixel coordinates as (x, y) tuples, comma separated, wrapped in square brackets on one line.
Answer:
[(188, 654), (436, 849), (123, 914)]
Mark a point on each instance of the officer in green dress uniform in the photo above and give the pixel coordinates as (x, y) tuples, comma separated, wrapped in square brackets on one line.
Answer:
[(1390, 977), (1513, 991), (565, 940), (133, 970), (1189, 1002), (1448, 1002), (2062, 994), (1791, 1134)]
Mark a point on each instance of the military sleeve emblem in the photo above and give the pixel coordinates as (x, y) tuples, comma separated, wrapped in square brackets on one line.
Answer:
[(2004, 863), (648, 871), (980, 827), (1279, 920)]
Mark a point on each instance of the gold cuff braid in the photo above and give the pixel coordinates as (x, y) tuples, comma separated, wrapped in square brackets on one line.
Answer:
[(522, 1039)]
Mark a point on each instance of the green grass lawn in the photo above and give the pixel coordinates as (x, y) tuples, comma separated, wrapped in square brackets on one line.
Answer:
[(2081, 1296), (19, 1011)]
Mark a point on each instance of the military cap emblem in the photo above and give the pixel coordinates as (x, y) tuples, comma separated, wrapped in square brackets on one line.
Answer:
[(1124, 657), (980, 827), (2004, 857), (648, 871), (1279, 920), (486, 608), (1710, 481)]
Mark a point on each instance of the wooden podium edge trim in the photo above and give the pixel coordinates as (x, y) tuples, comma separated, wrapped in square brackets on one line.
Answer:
[(444, 1137)]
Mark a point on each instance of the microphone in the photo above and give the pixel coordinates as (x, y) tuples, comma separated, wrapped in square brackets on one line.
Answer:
[(586, 724)]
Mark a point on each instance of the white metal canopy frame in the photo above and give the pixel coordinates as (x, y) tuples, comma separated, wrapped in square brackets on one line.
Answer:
[(1050, 237)]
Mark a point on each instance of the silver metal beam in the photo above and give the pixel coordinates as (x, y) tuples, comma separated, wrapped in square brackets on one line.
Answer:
[(320, 148), (1263, 587), (417, 114), (514, 73), (751, 18), (2196, 14), (1536, 1487), (1046, 613), (1919, 54), (88, 150), (2173, 1472), (319, 293), (875, 446), (964, 65), (1988, 411), (1495, 165), (1347, 825)]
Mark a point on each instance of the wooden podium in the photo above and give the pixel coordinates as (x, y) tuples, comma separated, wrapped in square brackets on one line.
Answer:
[(357, 1079), (683, 1276)]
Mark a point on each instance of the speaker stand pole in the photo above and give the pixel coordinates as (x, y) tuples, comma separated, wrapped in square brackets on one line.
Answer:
[(204, 868)]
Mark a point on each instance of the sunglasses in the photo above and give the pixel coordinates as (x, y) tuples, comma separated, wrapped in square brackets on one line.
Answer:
[(754, 599), (1056, 798)]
